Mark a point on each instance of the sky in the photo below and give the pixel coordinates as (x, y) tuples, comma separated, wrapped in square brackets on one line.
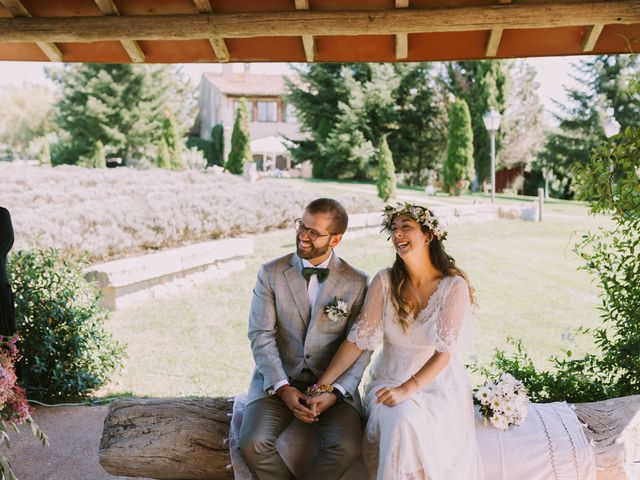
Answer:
[(553, 75)]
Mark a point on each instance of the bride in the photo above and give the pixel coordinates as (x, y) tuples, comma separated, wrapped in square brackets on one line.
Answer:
[(421, 417)]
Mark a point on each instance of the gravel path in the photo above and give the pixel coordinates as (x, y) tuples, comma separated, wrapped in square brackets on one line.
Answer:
[(74, 439)]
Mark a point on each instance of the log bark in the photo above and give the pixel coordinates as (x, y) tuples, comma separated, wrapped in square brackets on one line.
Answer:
[(185, 439), (314, 23)]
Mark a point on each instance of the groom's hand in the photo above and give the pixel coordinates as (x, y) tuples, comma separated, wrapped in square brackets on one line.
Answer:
[(293, 398), (321, 403)]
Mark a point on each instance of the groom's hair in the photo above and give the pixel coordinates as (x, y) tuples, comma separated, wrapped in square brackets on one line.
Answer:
[(329, 205)]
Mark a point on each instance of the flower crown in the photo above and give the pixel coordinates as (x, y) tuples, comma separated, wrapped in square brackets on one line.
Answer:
[(420, 214)]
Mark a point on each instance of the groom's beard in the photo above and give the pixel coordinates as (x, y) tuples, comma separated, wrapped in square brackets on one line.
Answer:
[(312, 253)]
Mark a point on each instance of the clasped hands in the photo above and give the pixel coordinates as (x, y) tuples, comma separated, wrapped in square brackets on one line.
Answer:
[(306, 408)]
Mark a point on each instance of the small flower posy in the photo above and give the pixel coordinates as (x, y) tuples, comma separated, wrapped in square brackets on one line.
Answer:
[(503, 402), (337, 310), (420, 214)]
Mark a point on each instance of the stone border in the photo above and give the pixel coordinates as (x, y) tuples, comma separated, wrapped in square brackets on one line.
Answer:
[(130, 280)]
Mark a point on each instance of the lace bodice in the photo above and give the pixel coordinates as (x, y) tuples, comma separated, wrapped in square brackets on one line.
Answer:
[(438, 326)]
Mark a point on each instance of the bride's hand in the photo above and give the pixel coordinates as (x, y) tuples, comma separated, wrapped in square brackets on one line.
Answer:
[(392, 396), (321, 402)]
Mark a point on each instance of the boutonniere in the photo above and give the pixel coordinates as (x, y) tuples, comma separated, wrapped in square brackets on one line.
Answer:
[(337, 310)]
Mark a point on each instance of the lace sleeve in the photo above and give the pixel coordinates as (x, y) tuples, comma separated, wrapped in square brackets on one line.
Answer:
[(453, 324), (366, 332)]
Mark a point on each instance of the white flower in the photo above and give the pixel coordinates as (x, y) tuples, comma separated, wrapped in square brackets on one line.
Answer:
[(337, 310), (503, 402)]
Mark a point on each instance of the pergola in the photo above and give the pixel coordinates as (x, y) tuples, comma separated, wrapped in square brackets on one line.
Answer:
[(190, 31)]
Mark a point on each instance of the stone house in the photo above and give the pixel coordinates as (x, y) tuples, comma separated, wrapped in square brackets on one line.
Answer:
[(269, 114)]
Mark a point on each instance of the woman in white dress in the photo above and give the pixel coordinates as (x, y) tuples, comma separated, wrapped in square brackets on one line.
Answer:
[(421, 417)]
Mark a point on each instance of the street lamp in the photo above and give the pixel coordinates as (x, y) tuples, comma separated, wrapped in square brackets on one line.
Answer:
[(492, 123)]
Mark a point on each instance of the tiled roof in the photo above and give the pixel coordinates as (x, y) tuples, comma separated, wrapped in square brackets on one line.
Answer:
[(241, 84)]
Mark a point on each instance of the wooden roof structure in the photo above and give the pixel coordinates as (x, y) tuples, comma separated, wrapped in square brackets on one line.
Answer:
[(190, 31)]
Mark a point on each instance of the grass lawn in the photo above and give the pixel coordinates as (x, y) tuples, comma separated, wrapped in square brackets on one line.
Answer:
[(525, 275)]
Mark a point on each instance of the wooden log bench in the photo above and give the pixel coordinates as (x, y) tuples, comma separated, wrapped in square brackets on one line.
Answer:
[(186, 439)]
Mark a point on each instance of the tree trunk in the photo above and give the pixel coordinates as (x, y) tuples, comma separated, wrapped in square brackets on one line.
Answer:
[(185, 439)]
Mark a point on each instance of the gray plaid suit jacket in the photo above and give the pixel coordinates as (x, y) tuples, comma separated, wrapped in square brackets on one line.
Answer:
[(287, 335)]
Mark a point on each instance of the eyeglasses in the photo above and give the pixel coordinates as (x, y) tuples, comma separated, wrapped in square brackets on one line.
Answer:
[(311, 233)]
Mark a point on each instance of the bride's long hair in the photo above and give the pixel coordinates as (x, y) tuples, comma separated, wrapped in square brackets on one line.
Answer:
[(442, 261)]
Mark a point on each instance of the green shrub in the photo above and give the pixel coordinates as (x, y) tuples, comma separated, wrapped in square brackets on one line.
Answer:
[(205, 146), (240, 150), (386, 181), (610, 180), (458, 169), (67, 353), (164, 155)]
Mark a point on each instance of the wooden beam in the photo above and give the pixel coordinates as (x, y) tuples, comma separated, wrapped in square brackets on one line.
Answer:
[(217, 43), (308, 42), (298, 23), (17, 9), (494, 42), (402, 46), (203, 6), (107, 7), (220, 48), (309, 45), (592, 37)]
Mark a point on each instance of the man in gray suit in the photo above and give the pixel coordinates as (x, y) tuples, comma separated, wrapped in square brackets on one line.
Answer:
[(293, 340)]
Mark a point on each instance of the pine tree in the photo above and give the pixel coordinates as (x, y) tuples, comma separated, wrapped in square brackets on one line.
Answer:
[(99, 158), (482, 84), (458, 168), (217, 147), (164, 155), (123, 106), (240, 143), (602, 92), (419, 141), (386, 181)]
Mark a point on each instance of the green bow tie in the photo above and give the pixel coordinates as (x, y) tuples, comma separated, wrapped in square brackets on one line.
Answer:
[(322, 273)]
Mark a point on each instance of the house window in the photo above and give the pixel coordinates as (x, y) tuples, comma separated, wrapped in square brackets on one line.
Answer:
[(290, 114), (267, 111), (249, 102)]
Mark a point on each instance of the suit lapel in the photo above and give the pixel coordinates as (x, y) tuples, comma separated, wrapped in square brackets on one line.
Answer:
[(298, 288), (329, 287)]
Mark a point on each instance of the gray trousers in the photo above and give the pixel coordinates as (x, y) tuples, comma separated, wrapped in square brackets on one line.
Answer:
[(339, 429)]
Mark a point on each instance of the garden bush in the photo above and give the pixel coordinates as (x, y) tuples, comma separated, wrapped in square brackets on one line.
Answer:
[(117, 212), (67, 353)]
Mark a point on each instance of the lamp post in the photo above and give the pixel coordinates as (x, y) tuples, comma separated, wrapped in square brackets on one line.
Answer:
[(492, 124)]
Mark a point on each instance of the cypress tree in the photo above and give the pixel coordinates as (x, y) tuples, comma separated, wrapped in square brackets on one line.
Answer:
[(99, 158), (240, 150), (164, 155), (217, 147), (458, 168), (386, 182)]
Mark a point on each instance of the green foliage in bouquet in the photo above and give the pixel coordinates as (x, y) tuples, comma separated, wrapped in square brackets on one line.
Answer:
[(386, 182), (611, 180), (67, 351), (14, 408), (458, 169), (240, 149)]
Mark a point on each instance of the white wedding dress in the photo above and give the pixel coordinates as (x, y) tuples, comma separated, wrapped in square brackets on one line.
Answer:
[(431, 435)]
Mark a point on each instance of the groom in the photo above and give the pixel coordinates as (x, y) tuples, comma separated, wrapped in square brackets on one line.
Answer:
[(293, 340)]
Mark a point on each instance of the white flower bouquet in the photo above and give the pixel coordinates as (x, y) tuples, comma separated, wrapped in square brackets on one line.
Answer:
[(503, 402)]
